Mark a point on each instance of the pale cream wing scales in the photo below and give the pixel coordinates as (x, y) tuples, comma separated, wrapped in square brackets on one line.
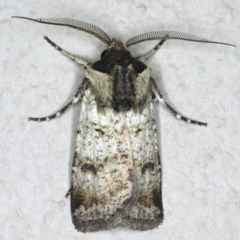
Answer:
[(103, 179), (147, 211)]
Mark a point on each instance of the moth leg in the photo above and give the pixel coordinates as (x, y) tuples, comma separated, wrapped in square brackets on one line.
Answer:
[(67, 54), (58, 113), (74, 100), (149, 54), (160, 98), (68, 193)]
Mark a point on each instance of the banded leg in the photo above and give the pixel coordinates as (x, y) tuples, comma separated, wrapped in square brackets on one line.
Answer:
[(75, 99), (149, 54), (175, 113), (67, 54)]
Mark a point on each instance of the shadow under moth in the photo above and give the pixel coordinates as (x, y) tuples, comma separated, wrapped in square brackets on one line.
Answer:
[(116, 170)]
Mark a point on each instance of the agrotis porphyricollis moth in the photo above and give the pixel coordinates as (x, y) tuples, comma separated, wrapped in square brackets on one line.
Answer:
[(116, 171)]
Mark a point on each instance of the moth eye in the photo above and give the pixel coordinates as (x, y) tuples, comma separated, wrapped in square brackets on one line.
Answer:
[(104, 53)]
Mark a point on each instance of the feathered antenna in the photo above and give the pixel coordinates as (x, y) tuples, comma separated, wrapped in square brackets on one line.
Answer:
[(161, 35), (76, 24)]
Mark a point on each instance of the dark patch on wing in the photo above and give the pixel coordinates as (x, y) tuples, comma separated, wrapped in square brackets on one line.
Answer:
[(90, 168), (99, 130), (139, 130), (157, 199), (147, 166), (123, 105)]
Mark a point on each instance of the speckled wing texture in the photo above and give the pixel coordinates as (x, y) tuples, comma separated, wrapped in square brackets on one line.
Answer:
[(103, 184), (147, 210), (116, 175)]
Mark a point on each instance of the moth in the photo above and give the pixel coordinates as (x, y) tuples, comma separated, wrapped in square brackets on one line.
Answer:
[(116, 170)]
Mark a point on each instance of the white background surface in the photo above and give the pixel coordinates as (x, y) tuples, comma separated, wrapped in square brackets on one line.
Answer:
[(201, 167)]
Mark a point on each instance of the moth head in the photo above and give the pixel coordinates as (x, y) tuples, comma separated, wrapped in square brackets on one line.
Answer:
[(114, 46)]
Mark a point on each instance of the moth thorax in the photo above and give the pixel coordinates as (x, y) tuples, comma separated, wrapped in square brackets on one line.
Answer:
[(116, 45)]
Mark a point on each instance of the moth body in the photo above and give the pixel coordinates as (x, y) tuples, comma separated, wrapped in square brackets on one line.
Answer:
[(116, 171)]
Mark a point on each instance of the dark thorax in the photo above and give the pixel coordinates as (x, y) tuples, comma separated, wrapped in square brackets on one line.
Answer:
[(118, 63)]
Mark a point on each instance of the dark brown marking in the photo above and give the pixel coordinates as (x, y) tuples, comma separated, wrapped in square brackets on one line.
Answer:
[(53, 44), (89, 168), (99, 130), (147, 166), (139, 130), (159, 45), (157, 199)]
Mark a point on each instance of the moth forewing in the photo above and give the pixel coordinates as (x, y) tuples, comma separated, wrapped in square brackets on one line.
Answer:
[(116, 171)]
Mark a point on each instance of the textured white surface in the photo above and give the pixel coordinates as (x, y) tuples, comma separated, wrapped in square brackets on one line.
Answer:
[(201, 169)]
